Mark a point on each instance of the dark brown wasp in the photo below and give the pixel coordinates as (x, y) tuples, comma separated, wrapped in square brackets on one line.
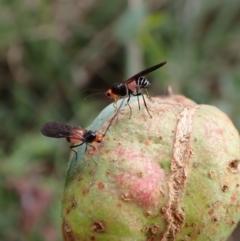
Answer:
[(132, 86), (72, 134)]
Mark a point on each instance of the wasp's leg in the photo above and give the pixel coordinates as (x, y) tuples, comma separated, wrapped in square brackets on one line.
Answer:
[(71, 147), (144, 101), (115, 103), (148, 95), (137, 94), (129, 96), (94, 148)]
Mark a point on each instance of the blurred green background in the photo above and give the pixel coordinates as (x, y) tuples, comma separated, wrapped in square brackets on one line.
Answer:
[(51, 52)]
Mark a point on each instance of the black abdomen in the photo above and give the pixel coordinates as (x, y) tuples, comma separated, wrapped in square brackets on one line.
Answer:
[(142, 82)]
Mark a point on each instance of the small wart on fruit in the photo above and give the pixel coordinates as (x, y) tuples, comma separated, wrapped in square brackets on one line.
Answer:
[(210, 212), (148, 213), (195, 164), (73, 202), (101, 186), (126, 197), (66, 227), (108, 172), (85, 191), (98, 226), (140, 174), (233, 222), (145, 229), (234, 166), (211, 175), (224, 188), (154, 228), (80, 177), (216, 204), (67, 232), (193, 225)]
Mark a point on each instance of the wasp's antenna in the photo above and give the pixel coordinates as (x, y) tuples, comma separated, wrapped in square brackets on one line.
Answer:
[(93, 94), (85, 90), (97, 92), (115, 115), (112, 119)]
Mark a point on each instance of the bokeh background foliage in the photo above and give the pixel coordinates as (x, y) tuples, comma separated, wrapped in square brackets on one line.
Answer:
[(51, 52)]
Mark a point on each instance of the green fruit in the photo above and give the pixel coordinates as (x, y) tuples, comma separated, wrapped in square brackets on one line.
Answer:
[(171, 177)]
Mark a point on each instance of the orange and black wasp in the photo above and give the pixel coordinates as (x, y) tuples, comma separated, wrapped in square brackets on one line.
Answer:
[(132, 86)]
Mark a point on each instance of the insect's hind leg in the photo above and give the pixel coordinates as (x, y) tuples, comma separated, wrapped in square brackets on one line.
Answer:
[(144, 101), (71, 147), (148, 95)]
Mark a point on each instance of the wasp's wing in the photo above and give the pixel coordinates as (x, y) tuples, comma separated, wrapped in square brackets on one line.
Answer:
[(144, 72), (56, 130), (76, 134)]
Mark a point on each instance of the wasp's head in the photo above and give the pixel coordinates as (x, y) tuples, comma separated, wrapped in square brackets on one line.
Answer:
[(110, 94), (99, 138)]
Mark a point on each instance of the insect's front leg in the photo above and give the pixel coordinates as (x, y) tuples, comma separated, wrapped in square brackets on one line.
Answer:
[(115, 103), (129, 96), (94, 148)]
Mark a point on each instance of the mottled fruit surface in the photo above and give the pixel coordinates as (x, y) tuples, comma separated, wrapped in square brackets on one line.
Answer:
[(175, 176)]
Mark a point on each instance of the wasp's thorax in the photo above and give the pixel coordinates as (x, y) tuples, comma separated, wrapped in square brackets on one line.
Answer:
[(89, 136)]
